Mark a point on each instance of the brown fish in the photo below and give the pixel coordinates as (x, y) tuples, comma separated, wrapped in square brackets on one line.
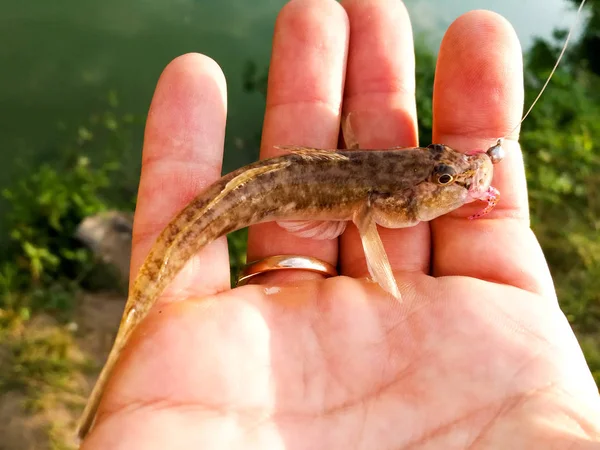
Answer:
[(312, 193)]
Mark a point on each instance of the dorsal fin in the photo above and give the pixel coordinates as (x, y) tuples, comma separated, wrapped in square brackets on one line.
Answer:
[(348, 133), (236, 182), (313, 153), (243, 178)]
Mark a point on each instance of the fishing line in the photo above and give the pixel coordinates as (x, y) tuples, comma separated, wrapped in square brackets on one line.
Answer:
[(551, 73)]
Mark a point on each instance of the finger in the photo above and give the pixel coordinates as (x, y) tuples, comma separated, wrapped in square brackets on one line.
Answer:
[(303, 107), (380, 98), (478, 97), (183, 150)]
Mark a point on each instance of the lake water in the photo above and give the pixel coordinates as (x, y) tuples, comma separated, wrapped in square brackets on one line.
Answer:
[(58, 60)]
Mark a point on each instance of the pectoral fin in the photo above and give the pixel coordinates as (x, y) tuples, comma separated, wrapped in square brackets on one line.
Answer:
[(377, 260), (315, 229)]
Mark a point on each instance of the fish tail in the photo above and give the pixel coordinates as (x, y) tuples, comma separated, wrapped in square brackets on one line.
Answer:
[(205, 219), (161, 266), (89, 413)]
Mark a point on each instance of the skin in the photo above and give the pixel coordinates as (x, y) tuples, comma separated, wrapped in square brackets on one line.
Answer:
[(478, 355)]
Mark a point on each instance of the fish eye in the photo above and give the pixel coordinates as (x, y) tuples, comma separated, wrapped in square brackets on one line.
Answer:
[(443, 174), (445, 178)]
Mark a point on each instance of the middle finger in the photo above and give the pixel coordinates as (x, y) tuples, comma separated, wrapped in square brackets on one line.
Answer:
[(304, 99), (380, 97)]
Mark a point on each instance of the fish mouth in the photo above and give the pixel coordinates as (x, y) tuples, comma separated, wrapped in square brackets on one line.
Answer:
[(481, 178)]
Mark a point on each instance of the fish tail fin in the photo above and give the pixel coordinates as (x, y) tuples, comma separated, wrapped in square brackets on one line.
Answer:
[(89, 413)]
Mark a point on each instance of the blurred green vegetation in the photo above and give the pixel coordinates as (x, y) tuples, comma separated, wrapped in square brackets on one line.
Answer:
[(43, 255), (560, 145), (44, 267)]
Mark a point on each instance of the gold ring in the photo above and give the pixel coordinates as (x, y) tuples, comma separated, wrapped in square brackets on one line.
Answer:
[(285, 262)]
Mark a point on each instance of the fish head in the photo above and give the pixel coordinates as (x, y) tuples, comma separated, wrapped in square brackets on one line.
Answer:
[(454, 179)]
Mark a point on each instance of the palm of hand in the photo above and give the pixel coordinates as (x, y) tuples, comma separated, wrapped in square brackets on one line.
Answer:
[(348, 369), (461, 363)]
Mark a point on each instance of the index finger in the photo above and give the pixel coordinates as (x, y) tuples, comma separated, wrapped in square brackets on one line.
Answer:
[(183, 151), (478, 98)]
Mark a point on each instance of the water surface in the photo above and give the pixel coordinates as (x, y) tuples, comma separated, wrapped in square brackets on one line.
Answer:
[(60, 59)]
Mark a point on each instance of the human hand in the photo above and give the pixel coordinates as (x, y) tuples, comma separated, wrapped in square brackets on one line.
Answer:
[(478, 355)]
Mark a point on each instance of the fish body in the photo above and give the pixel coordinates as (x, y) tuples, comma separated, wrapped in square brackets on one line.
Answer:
[(312, 193)]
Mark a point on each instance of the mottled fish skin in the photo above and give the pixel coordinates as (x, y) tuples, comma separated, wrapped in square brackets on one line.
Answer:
[(399, 187)]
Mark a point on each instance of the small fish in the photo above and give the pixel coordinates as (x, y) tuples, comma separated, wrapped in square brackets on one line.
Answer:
[(312, 193)]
